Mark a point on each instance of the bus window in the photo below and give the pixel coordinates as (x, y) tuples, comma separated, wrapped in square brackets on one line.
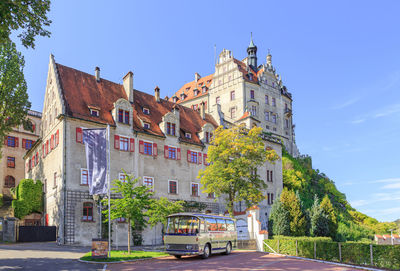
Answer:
[(230, 225), (183, 225), (202, 225), (172, 226), (211, 224), (194, 225), (221, 224)]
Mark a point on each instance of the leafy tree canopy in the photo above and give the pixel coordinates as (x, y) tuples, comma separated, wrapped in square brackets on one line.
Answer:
[(14, 102), (29, 16), (234, 156)]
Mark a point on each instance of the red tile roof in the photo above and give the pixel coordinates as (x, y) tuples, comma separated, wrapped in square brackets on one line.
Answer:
[(245, 70), (81, 91), (188, 88)]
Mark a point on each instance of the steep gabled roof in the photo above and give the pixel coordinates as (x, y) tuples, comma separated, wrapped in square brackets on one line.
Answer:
[(188, 88), (80, 91)]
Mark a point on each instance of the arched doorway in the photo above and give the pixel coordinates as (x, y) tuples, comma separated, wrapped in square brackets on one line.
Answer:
[(9, 182)]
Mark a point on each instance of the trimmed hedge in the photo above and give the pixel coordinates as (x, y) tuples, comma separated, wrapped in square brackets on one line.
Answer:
[(384, 256)]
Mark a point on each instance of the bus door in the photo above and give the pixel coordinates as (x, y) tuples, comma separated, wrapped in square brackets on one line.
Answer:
[(212, 227)]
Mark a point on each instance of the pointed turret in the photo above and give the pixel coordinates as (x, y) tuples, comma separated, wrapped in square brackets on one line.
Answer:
[(252, 54)]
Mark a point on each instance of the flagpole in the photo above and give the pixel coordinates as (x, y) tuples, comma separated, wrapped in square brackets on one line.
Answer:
[(109, 193)]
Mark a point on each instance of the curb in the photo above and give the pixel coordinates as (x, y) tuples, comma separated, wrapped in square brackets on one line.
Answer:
[(124, 261), (322, 261)]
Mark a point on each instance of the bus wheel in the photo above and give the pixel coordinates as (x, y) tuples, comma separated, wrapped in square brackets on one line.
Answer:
[(178, 256), (206, 253), (228, 249)]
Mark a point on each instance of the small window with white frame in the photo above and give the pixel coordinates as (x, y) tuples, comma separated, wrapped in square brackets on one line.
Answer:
[(84, 176), (149, 182), (94, 112), (188, 135), (146, 111), (146, 125), (123, 143)]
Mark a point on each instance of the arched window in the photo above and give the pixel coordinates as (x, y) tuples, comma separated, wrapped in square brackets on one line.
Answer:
[(87, 211), (9, 181)]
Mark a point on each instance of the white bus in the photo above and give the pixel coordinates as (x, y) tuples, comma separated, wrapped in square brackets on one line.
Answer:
[(199, 234)]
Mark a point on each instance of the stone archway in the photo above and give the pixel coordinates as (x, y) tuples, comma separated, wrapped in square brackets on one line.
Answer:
[(242, 230)]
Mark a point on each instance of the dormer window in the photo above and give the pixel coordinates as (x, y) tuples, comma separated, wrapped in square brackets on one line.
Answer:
[(146, 111), (204, 88), (188, 135), (182, 96), (196, 92), (174, 99), (208, 137), (252, 94), (171, 127), (94, 112), (123, 116), (146, 125), (250, 75)]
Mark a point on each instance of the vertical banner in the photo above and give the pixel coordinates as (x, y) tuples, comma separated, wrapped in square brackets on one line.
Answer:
[(96, 159)]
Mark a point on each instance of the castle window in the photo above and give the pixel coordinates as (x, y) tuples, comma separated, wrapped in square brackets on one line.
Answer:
[(174, 99), (188, 135), (286, 123), (266, 115), (204, 88), (84, 176), (251, 94), (266, 99), (171, 128), (10, 162), (194, 191), (87, 211), (233, 112), (146, 125), (146, 111), (232, 95), (196, 92), (12, 141), (217, 100), (173, 187), (9, 182), (274, 118), (123, 143), (149, 182), (148, 148), (273, 102), (253, 110)]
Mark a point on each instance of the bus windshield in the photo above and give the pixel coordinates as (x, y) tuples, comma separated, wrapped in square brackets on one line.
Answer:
[(183, 225)]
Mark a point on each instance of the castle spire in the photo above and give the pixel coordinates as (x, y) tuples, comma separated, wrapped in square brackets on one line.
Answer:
[(252, 54)]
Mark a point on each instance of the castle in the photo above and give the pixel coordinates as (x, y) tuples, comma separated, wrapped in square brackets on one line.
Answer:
[(162, 141)]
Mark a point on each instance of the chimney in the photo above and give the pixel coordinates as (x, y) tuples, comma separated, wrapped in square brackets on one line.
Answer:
[(157, 94), (128, 85), (175, 110), (97, 74), (203, 110), (196, 77)]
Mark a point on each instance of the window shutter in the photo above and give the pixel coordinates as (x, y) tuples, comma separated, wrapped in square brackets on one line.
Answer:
[(116, 142), (132, 144), (141, 146), (43, 155), (52, 142), (24, 143), (155, 149), (178, 154), (165, 151), (188, 156), (79, 135), (205, 159), (57, 137), (16, 142), (271, 176), (199, 158)]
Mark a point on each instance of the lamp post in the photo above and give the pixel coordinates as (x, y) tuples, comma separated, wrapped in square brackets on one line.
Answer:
[(98, 200)]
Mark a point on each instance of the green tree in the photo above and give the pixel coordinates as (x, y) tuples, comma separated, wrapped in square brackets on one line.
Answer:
[(319, 220), (14, 102), (328, 209), (279, 220), (30, 16), (29, 198), (293, 205), (137, 206), (234, 156)]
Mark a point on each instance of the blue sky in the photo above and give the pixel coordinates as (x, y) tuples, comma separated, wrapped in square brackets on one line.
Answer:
[(339, 59)]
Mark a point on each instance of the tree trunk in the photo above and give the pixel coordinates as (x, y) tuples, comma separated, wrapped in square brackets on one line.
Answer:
[(129, 236), (230, 205)]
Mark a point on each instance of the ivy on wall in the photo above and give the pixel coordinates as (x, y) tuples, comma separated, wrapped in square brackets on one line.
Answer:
[(29, 198)]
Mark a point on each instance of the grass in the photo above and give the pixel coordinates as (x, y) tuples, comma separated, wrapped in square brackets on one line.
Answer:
[(122, 255)]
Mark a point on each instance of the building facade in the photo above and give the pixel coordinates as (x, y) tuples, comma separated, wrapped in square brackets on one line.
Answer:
[(244, 92), (161, 142), (16, 143)]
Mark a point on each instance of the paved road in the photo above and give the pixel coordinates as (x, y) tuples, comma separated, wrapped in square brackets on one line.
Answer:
[(43, 256), (243, 261)]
